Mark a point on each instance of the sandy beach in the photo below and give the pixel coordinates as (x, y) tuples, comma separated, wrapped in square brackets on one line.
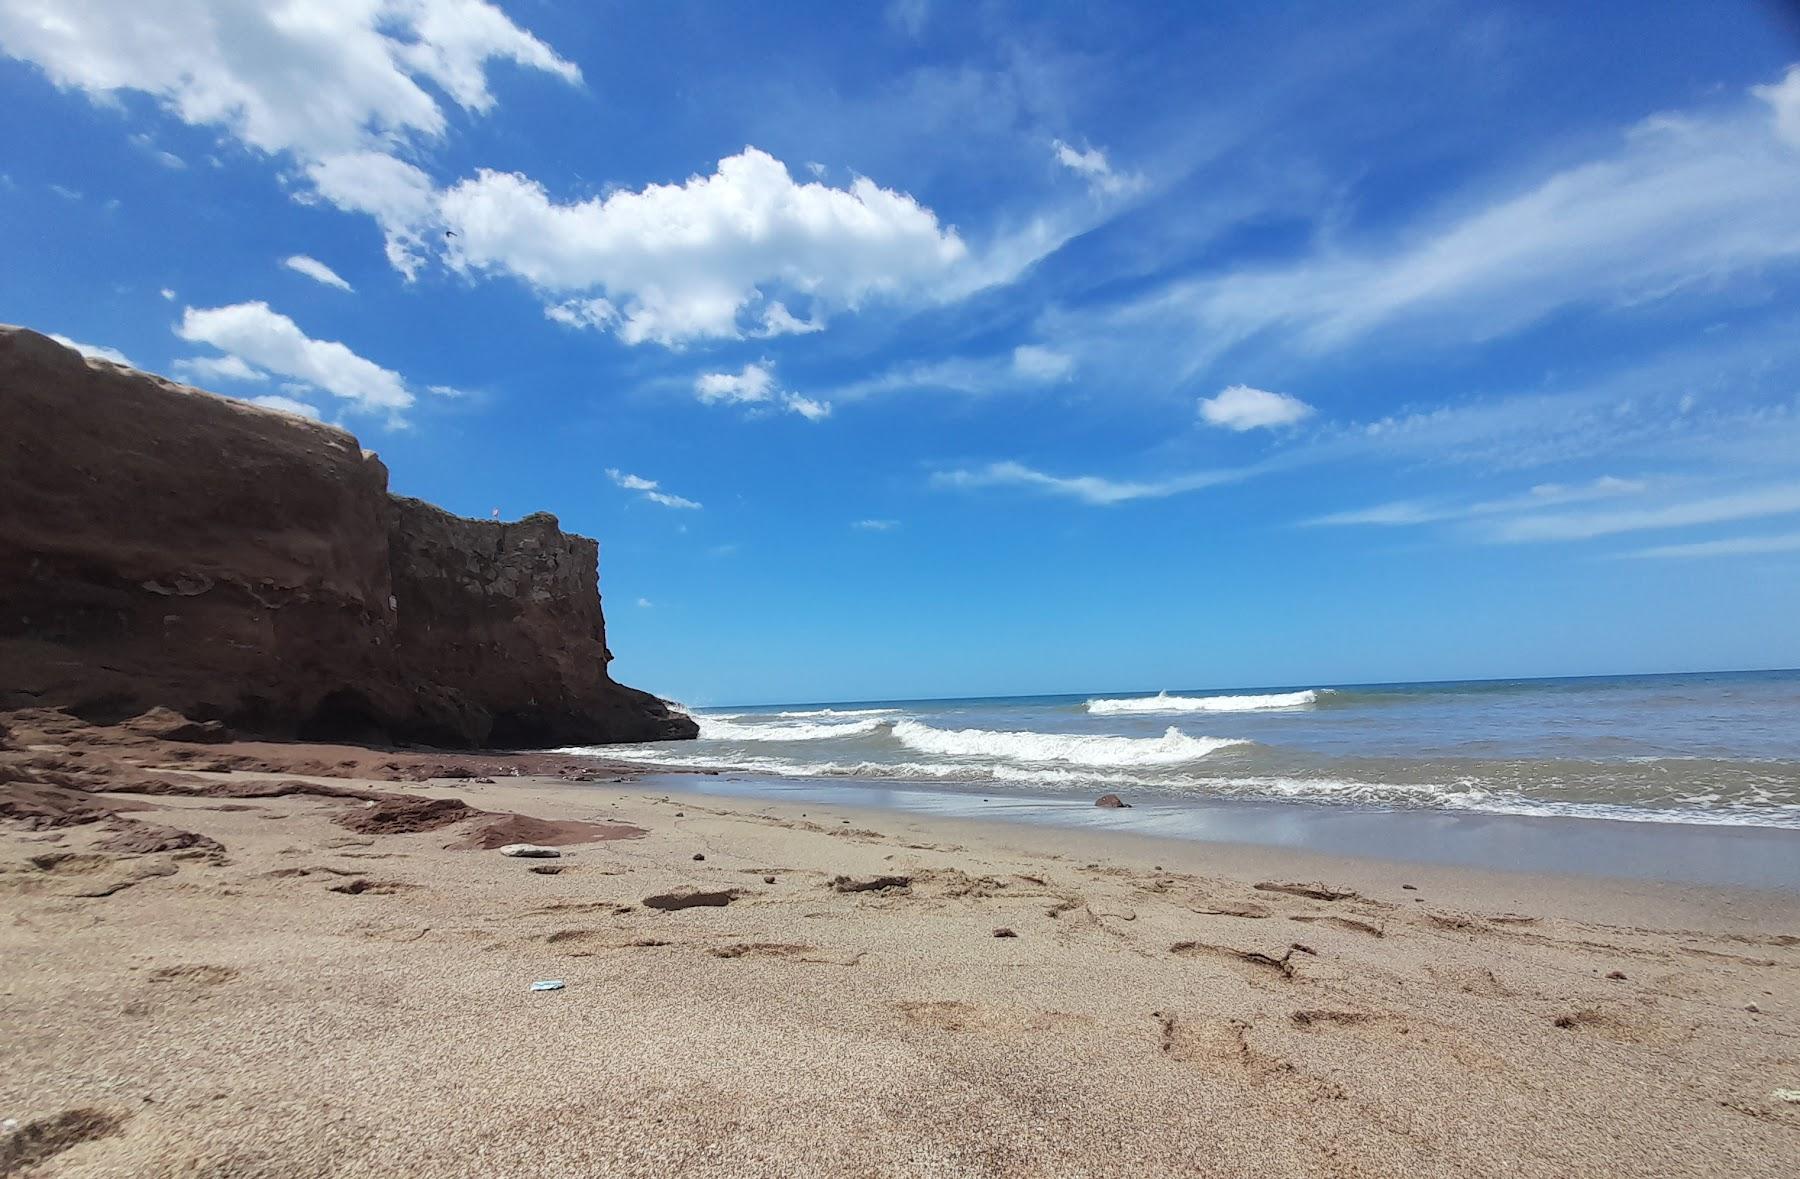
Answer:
[(763, 988)]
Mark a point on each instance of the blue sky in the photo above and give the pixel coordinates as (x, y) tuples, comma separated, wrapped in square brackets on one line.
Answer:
[(937, 350)]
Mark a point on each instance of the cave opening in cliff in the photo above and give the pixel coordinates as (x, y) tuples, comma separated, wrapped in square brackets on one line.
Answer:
[(344, 715), (520, 730)]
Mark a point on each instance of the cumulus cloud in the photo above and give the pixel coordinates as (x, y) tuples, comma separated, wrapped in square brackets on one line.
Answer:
[(1091, 164), (713, 257), (1092, 489), (317, 271), (94, 351), (756, 385), (167, 293), (1241, 407), (329, 81), (650, 489), (218, 368), (266, 339), (286, 405)]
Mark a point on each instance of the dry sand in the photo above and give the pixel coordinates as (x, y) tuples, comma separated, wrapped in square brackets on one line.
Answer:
[(313, 1001)]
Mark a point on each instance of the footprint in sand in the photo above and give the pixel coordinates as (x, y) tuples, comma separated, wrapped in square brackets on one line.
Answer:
[(1349, 923), (1224, 1047)]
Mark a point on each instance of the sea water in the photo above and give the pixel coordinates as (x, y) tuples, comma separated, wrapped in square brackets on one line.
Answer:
[(1721, 748)]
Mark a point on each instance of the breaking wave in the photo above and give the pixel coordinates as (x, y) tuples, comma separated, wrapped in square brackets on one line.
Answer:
[(839, 712), (1163, 702), (719, 728), (1172, 748)]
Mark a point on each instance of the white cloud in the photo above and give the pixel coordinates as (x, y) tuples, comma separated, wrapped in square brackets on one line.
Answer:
[(267, 339), (650, 489), (331, 82), (286, 405), (806, 407), (93, 351), (1092, 166), (1240, 408), (399, 196), (218, 368), (1682, 201), (755, 385), (1772, 500), (450, 391), (167, 293), (645, 603), (1401, 513), (712, 257), (317, 271), (1783, 98), (876, 525), (1033, 362), (1091, 489), (1735, 546), (1029, 366)]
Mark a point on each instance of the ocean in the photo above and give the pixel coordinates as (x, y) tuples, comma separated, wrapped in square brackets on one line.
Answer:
[(1714, 748)]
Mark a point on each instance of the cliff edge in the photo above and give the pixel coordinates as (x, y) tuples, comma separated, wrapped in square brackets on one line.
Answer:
[(162, 546)]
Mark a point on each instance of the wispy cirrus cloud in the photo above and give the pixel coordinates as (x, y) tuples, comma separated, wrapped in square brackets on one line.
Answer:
[(1402, 513), (1777, 499), (1731, 546), (1091, 164), (1091, 489), (650, 489), (1682, 201), (317, 271)]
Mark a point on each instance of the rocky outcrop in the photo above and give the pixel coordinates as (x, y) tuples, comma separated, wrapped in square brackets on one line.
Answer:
[(164, 547)]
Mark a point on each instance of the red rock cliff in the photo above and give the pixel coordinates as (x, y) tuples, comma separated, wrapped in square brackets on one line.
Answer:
[(163, 546)]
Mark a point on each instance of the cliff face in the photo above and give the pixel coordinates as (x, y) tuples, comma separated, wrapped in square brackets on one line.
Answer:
[(162, 546)]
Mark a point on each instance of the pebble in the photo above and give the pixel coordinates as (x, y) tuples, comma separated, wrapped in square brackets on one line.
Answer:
[(1004, 932), (698, 856), (530, 850)]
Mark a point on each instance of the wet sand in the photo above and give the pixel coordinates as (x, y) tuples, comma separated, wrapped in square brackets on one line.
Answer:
[(1694, 853), (786, 988)]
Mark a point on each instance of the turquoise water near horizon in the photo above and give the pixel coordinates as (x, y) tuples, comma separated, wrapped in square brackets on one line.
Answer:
[(1715, 747)]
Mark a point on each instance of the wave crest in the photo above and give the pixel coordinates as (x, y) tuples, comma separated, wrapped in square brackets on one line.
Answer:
[(1172, 748), (716, 728), (1163, 702)]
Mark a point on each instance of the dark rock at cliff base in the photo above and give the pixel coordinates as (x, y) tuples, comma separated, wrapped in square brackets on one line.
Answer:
[(162, 547), (1111, 800)]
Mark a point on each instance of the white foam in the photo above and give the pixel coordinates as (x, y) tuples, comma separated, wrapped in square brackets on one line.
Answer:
[(717, 728), (839, 712), (1163, 702), (1172, 748)]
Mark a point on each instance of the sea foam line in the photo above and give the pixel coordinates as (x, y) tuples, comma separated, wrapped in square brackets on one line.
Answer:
[(1163, 702), (1172, 748)]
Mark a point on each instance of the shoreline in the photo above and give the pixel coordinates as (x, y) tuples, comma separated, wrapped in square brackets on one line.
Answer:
[(1736, 855)]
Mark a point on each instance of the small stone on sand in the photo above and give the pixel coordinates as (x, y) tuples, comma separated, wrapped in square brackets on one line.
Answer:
[(536, 851)]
